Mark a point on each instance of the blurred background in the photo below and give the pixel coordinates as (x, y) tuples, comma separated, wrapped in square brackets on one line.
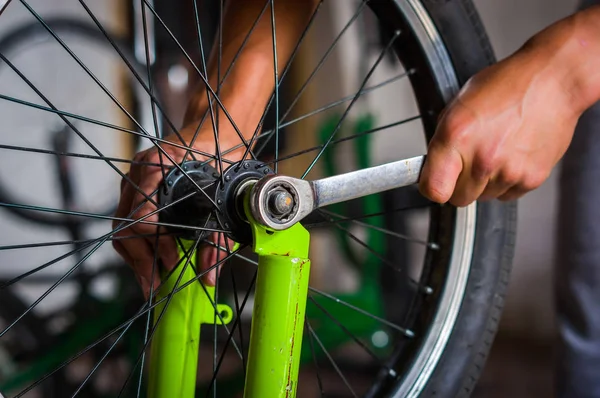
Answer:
[(521, 361)]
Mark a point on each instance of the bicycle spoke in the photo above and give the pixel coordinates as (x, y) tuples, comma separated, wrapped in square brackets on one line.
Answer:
[(384, 260), (336, 103), (202, 77), (62, 257), (219, 65), (154, 100), (331, 360), (126, 325), (356, 96), (215, 316), (68, 123), (230, 67), (406, 332), (3, 5), (329, 222), (348, 333), (143, 311), (82, 65), (115, 101), (51, 289), (341, 219), (237, 323), (218, 314), (162, 312), (102, 217), (105, 238), (347, 98), (334, 142), (211, 112), (75, 155), (107, 125), (151, 86), (78, 242), (314, 355), (276, 76), (149, 316), (256, 134), (238, 311), (333, 105), (97, 365), (325, 57)]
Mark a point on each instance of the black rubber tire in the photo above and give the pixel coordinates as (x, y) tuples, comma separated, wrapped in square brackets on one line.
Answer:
[(466, 352)]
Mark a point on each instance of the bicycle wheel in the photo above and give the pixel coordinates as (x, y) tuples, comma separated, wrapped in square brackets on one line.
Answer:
[(426, 329)]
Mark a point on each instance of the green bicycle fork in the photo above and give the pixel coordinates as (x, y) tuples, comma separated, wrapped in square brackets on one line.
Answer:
[(277, 321), (279, 308)]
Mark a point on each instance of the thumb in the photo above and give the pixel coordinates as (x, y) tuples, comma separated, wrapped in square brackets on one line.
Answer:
[(442, 167)]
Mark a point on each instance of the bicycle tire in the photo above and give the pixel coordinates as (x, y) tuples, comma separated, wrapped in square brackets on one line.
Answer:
[(465, 353)]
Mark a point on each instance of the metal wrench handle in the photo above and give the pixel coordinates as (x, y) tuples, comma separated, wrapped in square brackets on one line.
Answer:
[(368, 181), (307, 196)]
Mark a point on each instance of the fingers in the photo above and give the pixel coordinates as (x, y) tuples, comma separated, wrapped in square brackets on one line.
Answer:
[(507, 178), (209, 255), (440, 172), (464, 165), (134, 204), (208, 258), (167, 250)]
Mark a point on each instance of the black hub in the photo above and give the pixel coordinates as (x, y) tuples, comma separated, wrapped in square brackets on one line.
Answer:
[(229, 197), (199, 210), (195, 210)]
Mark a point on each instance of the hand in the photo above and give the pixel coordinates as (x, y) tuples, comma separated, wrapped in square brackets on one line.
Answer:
[(502, 134), (139, 252)]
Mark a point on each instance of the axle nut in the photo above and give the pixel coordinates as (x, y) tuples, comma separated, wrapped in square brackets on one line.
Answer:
[(281, 202)]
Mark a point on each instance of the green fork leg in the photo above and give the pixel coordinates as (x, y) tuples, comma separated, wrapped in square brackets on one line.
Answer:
[(278, 315), (174, 350)]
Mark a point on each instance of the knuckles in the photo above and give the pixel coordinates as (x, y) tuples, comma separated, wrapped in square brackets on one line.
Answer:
[(533, 180)]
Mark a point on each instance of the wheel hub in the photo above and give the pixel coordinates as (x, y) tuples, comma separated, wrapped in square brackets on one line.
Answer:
[(194, 211), (236, 179), (221, 207)]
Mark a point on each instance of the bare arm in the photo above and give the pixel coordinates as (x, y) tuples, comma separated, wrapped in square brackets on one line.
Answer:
[(246, 91), (511, 123)]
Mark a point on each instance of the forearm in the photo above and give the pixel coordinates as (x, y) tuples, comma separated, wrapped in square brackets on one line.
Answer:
[(250, 83), (570, 50)]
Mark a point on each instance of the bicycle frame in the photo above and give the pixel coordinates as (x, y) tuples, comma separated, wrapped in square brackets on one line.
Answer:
[(277, 320)]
